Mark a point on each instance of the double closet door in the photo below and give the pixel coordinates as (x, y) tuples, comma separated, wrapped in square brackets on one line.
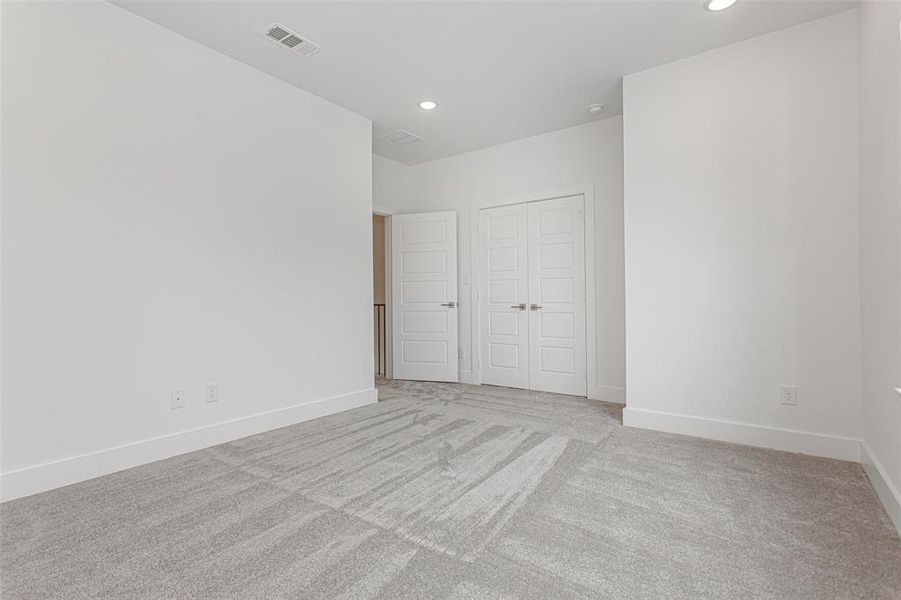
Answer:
[(532, 296)]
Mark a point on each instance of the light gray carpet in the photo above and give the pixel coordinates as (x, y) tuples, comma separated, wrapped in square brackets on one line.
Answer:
[(453, 491)]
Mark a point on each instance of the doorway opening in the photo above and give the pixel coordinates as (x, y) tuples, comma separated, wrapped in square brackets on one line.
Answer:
[(380, 297)]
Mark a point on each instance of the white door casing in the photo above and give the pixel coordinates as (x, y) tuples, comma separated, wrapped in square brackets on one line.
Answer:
[(424, 296), (557, 345), (504, 294)]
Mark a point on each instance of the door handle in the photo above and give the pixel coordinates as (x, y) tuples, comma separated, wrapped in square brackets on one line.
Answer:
[(521, 306), (450, 304), (534, 306)]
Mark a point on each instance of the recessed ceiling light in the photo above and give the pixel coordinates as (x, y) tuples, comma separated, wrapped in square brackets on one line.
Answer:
[(595, 109), (717, 5), (428, 105)]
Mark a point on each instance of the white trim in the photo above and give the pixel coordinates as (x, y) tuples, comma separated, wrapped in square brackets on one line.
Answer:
[(551, 194), (789, 440), (885, 490), (591, 326), (51, 475), (378, 209), (586, 190), (465, 376), (608, 393), (389, 302)]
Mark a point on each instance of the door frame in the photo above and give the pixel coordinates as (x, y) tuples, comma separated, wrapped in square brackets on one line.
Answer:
[(389, 322), (586, 190)]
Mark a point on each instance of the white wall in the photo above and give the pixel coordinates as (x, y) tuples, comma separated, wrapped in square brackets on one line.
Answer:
[(880, 233), (590, 153), (390, 183), (171, 217), (742, 241)]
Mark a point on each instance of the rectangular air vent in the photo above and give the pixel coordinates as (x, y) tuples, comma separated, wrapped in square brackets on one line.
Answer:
[(286, 38), (400, 138)]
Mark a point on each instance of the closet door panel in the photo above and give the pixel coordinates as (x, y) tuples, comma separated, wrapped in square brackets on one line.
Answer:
[(556, 275), (503, 296)]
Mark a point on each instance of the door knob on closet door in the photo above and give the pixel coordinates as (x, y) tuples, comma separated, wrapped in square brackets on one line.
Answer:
[(534, 306), (521, 306), (450, 304)]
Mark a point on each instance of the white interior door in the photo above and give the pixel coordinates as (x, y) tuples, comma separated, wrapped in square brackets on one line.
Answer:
[(424, 296), (504, 295), (556, 241)]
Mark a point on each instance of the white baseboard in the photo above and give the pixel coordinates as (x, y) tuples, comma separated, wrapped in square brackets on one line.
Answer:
[(887, 492), (608, 393), (803, 442), (465, 376), (51, 475)]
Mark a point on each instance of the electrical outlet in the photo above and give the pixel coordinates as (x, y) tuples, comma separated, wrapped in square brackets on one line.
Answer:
[(211, 392), (177, 398), (789, 394)]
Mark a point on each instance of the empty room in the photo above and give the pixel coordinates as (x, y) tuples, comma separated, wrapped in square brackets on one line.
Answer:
[(450, 300)]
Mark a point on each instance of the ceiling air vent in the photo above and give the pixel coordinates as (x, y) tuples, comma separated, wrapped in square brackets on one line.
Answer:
[(286, 38), (400, 138)]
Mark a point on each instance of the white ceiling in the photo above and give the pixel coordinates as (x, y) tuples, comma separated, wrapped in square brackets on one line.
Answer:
[(499, 70)]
